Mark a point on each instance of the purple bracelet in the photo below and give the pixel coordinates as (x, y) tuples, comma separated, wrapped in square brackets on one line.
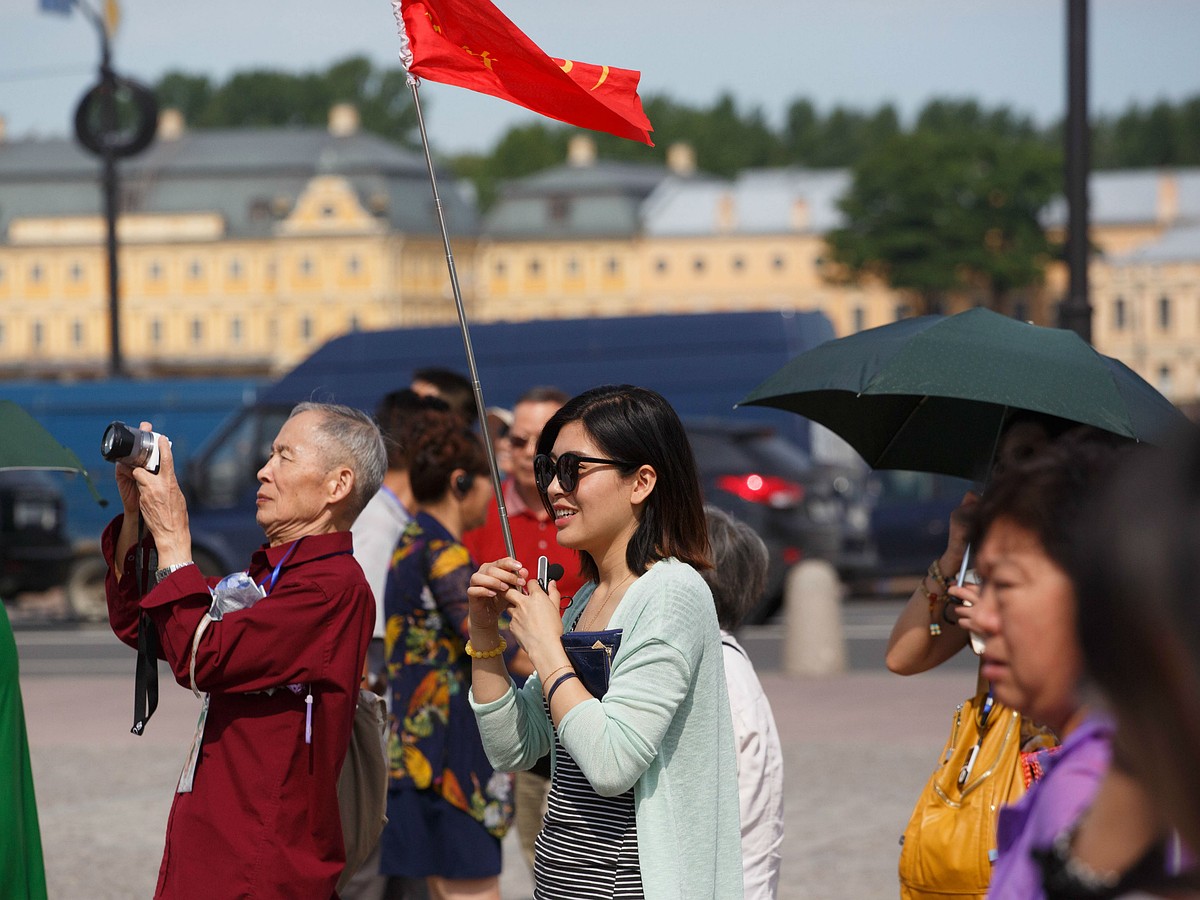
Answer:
[(558, 681)]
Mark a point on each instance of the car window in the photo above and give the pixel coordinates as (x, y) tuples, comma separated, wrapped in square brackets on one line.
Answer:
[(717, 452), (779, 454)]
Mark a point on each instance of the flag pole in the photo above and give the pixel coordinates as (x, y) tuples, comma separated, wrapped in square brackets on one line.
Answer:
[(480, 408)]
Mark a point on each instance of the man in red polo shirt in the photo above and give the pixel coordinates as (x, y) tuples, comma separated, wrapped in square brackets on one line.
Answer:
[(532, 531)]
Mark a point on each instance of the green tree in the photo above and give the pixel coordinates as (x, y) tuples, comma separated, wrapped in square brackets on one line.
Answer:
[(949, 211), (269, 98)]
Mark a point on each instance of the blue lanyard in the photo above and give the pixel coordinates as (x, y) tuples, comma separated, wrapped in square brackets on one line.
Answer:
[(270, 582)]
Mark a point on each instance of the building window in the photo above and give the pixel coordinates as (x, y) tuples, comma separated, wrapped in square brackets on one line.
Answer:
[(353, 265), (197, 331), (1, 334), (698, 264), (535, 268), (75, 273), (612, 266), (235, 269), (660, 265), (38, 335), (1164, 313), (77, 333), (327, 211), (306, 266), (195, 270), (1, 274), (860, 319), (1021, 310), (1119, 314), (353, 324), (778, 262), (36, 272), (739, 264), (1164, 380), (154, 271), (306, 328), (156, 332), (572, 265), (499, 268), (235, 330), (273, 330)]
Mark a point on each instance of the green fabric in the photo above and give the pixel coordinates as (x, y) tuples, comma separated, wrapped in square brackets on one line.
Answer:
[(22, 872), (27, 445), (932, 393), (663, 728)]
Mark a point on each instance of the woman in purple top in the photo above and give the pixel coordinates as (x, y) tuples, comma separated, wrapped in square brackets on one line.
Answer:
[(1025, 612)]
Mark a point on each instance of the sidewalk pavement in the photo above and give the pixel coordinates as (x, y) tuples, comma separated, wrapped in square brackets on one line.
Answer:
[(857, 749)]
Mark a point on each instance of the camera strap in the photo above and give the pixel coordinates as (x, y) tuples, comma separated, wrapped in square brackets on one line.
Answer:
[(145, 677)]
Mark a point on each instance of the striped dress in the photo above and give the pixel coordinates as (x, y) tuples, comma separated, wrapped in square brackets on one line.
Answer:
[(587, 848)]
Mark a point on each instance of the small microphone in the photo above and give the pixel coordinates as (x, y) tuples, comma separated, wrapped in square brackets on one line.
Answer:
[(554, 571)]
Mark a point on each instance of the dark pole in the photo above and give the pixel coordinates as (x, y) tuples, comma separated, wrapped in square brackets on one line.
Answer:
[(1076, 310), (111, 200)]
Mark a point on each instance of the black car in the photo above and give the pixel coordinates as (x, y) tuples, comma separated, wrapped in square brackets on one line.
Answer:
[(799, 509), (910, 517), (34, 547)]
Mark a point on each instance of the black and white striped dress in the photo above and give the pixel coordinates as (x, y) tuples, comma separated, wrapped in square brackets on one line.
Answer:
[(587, 848)]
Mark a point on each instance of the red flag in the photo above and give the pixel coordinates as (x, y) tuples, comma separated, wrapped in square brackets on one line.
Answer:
[(470, 43)]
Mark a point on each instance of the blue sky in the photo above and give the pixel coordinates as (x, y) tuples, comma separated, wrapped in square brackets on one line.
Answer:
[(764, 52)]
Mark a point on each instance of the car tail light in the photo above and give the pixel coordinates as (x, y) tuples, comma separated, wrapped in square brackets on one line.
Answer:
[(770, 490)]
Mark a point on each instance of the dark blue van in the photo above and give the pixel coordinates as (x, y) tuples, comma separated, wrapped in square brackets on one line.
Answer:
[(703, 364)]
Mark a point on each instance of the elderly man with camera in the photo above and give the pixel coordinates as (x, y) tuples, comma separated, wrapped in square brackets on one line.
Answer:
[(279, 649)]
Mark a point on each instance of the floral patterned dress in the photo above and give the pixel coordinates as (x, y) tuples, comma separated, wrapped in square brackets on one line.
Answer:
[(434, 742)]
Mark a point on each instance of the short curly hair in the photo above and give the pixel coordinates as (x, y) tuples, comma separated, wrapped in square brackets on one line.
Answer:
[(438, 443)]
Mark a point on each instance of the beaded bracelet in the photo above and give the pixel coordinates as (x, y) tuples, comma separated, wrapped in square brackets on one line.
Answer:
[(566, 676), (935, 572), (487, 654), (934, 628)]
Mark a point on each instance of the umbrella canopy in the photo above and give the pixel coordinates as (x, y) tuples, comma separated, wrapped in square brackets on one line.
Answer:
[(932, 393), (25, 444)]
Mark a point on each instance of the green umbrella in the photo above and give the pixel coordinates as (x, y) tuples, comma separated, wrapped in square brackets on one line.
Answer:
[(25, 444), (932, 393)]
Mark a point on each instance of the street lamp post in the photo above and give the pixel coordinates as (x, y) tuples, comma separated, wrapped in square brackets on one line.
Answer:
[(99, 130), (1075, 312)]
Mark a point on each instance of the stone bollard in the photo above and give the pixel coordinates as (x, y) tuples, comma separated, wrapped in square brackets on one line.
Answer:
[(812, 603)]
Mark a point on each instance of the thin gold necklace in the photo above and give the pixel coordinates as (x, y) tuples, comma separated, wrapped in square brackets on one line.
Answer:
[(607, 597)]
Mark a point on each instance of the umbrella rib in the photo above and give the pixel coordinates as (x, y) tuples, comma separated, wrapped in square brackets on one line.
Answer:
[(896, 433)]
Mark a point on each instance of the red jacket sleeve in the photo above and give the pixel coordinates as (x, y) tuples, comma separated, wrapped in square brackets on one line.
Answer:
[(290, 636)]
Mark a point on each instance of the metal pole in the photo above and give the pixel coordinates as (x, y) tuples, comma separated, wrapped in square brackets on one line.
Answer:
[(110, 186), (480, 408), (1076, 311)]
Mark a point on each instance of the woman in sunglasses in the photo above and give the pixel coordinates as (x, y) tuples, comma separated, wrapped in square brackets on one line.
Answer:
[(644, 796)]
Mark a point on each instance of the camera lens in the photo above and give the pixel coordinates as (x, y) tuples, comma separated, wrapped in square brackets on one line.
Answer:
[(117, 443), (133, 447)]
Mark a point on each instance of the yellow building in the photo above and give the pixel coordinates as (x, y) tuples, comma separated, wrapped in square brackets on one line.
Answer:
[(596, 237), (241, 250), (1144, 279)]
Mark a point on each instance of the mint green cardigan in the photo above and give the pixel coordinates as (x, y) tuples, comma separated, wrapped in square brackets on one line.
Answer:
[(663, 729)]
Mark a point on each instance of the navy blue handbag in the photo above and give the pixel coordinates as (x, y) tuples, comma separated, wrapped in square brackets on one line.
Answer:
[(591, 653)]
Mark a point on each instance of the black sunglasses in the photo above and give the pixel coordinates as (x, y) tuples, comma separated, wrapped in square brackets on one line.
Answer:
[(566, 470)]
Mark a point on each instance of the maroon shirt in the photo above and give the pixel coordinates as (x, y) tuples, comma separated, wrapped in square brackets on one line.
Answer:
[(262, 818)]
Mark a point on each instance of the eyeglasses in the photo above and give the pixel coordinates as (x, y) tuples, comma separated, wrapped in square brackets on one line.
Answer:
[(566, 470)]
